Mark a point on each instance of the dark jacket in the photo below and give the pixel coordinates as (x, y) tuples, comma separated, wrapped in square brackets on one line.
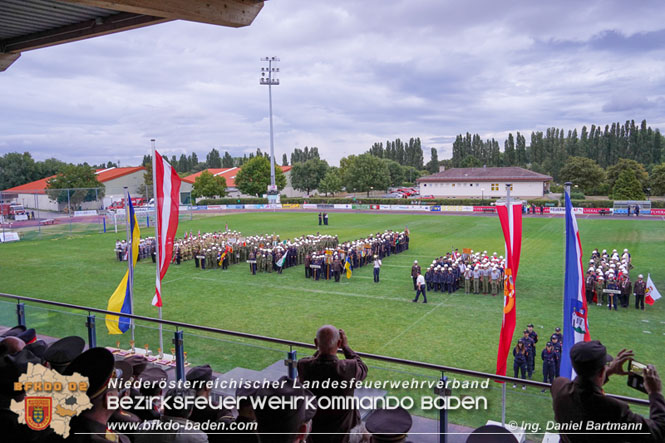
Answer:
[(583, 402), (324, 367)]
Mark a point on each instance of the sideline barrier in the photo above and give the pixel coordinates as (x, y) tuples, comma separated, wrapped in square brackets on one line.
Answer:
[(290, 205), (342, 206), (595, 210), (562, 211), (309, 206), (84, 213), (255, 206), (657, 211)]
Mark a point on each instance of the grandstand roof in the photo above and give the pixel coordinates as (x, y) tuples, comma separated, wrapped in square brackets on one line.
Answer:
[(229, 174), (103, 175), (33, 24), (485, 174)]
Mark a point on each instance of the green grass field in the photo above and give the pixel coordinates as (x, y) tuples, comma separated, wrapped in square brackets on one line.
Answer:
[(457, 330)]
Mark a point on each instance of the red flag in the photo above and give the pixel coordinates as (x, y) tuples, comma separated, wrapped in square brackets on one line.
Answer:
[(167, 185), (510, 216)]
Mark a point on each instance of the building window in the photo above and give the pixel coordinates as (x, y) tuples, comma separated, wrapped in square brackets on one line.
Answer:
[(495, 186)]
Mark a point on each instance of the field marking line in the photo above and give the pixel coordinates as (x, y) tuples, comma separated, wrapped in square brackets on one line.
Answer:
[(175, 279), (315, 291), (410, 327)]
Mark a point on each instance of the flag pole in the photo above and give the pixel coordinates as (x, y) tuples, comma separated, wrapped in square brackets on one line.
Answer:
[(130, 257), (157, 262), (566, 190)]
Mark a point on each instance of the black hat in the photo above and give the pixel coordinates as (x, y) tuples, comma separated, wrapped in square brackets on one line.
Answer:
[(123, 371), (153, 374), (284, 420), (200, 373), (530, 325), (13, 332), (588, 357), (549, 343), (554, 337), (389, 424), (62, 352), (138, 363), (525, 331), (557, 329), (37, 347), (28, 336), (98, 365), (11, 368)]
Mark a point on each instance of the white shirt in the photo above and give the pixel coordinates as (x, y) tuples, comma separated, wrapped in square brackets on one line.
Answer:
[(377, 263), (420, 280)]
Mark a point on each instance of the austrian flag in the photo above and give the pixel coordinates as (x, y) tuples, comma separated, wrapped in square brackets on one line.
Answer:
[(167, 206)]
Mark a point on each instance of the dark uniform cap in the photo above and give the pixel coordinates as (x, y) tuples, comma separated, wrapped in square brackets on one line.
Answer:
[(200, 373), (530, 325), (138, 363), (588, 357), (153, 374), (11, 368), (525, 331), (549, 343), (123, 371), (14, 332), (554, 337), (285, 420), (389, 424), (98, 365), (557, 329), (28, 336), (38, 347), (63, 351)]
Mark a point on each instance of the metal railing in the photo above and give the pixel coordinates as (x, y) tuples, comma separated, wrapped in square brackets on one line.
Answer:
[(290, 360)]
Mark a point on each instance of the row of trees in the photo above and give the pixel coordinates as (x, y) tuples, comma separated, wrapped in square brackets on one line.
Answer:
[(405, 154), (548, 151)]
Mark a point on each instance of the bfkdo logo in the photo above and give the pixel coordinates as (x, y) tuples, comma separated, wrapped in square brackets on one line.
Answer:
[(38, 412)]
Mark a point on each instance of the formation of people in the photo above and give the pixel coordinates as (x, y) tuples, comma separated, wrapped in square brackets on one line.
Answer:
[(476, 272), (146, 249), (329, 263), (524, 355), (608, 283)]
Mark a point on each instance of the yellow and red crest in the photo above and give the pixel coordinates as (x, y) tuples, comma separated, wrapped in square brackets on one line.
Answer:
[(38, 412)]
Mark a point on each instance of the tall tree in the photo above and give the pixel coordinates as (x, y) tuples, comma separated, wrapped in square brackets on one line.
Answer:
[(509, 151), (364, 173), (627, 187), (657, 180), (433, 165), (213, 159), (307, 176), (227, 161), (396, 172), (285, 160), (254, 177), (17, 169), (331, 182), (584, 172), (208, 185), (634, 167), (183, 163), (75, 184)]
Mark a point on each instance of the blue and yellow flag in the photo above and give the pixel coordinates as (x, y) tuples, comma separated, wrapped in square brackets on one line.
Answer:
[(121, 300), (347, 266)]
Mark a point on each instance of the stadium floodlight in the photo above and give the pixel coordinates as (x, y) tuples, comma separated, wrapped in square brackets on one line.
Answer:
[(269, 77)]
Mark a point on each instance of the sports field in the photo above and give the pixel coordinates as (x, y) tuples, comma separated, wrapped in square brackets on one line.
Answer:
[(457, 330)]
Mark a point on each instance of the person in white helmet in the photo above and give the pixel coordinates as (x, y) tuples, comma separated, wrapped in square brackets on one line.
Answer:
[(415, 271)]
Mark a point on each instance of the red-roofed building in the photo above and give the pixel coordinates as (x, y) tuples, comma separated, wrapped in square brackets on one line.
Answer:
[(229, 175), (484, 182), (33, 195)]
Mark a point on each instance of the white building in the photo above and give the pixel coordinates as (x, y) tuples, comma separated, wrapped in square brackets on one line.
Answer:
[(484, 183), (33, 195)]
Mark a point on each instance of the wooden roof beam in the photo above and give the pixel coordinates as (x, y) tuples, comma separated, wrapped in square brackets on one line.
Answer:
[(232, 13)]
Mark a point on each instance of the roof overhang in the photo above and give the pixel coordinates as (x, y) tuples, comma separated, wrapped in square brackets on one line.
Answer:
[(33, 24), (484, 179)]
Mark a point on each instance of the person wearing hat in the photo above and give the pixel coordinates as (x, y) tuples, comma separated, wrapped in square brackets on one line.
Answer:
[(389, 425), (476, 278), (612, 284), (583, 401), (123, 372), (62, 352), (495, 275), (531, 349), (149, 379), (626, 287), (323, 366), (599, 285), (533, 335), (92, 424), (177, 411), (557, 345), (200, 377), (550, 359), (415, 271), (589, 285), (337, 268), (520, 360), (639, 288), (377, 268), (288, 424)]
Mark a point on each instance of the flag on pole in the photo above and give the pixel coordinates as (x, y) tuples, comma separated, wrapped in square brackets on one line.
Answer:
[(510, 216), (280, 262), (121, 299), (651, 293), (347, 266), (575, 324), (167, 185)]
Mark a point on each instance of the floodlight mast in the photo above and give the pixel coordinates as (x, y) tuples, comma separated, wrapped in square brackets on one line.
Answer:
[(269, 77)]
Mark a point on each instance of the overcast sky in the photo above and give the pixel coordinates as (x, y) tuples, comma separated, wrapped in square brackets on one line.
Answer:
[(352, 73)]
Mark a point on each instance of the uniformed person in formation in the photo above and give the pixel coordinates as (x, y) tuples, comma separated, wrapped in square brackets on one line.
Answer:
[(415, 271)]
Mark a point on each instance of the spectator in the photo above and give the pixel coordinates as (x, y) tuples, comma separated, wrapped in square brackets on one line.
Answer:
[(323, 366), (640, 289), (176, 414), (201, 378), (521, 360), (583, 400), (285, 425)]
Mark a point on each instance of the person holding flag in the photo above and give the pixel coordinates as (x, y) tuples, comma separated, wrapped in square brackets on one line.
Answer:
[(575, 325), (347, 266), (121, 300)]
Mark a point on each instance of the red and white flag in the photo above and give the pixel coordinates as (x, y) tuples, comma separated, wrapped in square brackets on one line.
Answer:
[(652, 293), (510, 216), (167, 190)]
